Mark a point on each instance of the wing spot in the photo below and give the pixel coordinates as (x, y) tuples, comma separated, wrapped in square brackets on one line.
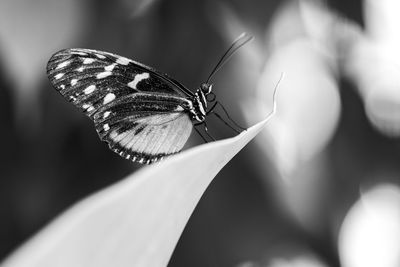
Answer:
[(88, 60), (100, 56), (138, 78), (106, 114), (80, 69), (59, 76), (104, 74), (79, 53), (106, 127), (113, 135), (87, 107), (62, 86), (123, 60), (108, 98), (63, 64), (109, 67), (74, 81), (89, 89), (179, 108)]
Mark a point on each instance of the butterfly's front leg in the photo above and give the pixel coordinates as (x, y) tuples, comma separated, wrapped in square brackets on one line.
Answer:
[(212, 111), (199, 133), (205, 130)]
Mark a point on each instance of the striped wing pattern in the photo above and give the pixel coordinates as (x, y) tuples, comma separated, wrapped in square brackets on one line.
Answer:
[(138, 111), (144, 127)]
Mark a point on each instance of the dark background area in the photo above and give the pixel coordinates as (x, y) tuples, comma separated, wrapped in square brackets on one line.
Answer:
[(51, 157)]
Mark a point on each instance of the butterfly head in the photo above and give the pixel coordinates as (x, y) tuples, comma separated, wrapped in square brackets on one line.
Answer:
[(206, 89)]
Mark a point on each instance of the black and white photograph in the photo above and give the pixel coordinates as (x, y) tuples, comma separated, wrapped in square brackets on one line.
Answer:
[(200, 133)]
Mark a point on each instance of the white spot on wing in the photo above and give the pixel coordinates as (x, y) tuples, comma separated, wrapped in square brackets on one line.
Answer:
[(100, 56), (63, 64), (113, 135), (79, 53), (74, 81), (109, 67), (58, 76), (80, 69), (123, 60), (87, 107), (106, 127), (106, 114), (88, 60), (108, 98), (89, 89), (104, 74), (118, 137), (138, 78), (179, 108), (62, 86)]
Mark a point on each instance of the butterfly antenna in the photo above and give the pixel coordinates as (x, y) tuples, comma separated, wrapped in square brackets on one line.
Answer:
[(238, 43)]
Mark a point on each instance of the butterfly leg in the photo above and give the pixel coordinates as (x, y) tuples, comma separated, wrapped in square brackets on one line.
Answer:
[(199, 133), (227, 124), (205, 130), (212, 111)]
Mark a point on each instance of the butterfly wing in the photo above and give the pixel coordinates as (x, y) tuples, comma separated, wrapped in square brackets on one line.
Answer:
[(90, 78), (144, 127), (136, 109)]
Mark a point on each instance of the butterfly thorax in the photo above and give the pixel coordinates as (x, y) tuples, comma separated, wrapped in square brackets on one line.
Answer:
[(199, 109)]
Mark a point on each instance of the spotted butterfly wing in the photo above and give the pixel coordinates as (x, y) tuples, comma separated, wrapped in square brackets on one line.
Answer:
[(138, 111)]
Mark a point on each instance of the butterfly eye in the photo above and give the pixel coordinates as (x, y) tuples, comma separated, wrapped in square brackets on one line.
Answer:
[(210, 97), (206, 88)]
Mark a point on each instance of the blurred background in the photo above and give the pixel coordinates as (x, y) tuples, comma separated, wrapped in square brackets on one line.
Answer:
[(319, 187)]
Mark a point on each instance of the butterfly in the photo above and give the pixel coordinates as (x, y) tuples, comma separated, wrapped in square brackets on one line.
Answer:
[(143, 114)]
